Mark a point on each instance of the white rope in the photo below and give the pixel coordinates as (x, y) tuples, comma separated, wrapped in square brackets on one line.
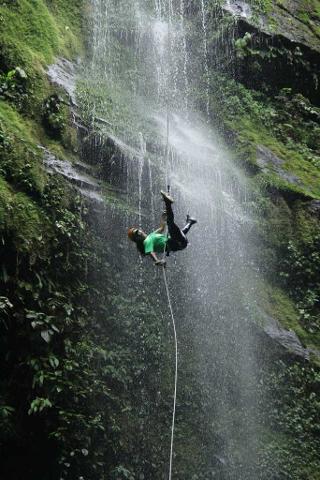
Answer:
[(173, 325), (164, 253), (172, 317), (176, 371)]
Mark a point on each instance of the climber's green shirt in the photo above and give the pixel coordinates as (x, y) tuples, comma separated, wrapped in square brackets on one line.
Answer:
[(155, 242)]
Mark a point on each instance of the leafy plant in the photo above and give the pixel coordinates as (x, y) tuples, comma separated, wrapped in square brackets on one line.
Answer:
[(38, 405), (13, 86), (300, 266)]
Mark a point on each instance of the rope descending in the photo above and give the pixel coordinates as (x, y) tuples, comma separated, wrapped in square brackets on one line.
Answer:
[(176, 371), (164, 252)]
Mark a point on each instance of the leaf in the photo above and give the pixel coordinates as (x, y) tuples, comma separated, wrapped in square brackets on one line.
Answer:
[(54, 362), (46, 336), (40, 284), (38, 405), (56, 329), (6, 411), (36, 323)]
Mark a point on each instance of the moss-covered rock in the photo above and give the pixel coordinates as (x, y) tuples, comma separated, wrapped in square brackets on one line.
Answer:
[(278, 45)]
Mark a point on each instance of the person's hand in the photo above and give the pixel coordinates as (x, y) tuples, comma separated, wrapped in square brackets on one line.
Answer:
[(164, 216), (161, 263)]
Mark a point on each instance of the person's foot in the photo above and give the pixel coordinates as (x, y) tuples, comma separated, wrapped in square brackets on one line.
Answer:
[(191, 220), (166, 197)]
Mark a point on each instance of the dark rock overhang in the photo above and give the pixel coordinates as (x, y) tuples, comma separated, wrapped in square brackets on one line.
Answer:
[(282, 51)]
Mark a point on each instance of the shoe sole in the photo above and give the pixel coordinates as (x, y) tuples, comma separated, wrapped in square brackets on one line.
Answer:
[(166, 197)]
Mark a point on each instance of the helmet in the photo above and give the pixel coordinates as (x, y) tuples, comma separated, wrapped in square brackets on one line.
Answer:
[(132, 233)]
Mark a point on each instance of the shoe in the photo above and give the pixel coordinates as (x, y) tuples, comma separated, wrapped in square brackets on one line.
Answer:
[(166, 197), (191, 220)]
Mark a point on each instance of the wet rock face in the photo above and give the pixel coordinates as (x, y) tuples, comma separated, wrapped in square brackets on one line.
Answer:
[(314, 208), (295, 20), (271, 336), (63, 74), (268, 161), (79, 174), (284, 46), (239, 8), (286, 340)]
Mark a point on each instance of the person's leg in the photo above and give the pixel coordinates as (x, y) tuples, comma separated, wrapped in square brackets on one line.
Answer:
[(190, 222), (177, 240), (170, 214)]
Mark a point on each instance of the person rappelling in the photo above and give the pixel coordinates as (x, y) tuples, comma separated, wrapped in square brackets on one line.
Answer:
[(157, 242)]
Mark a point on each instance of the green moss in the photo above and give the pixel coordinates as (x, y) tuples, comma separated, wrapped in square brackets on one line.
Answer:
[(20, 157), (31, 33), (21, 220), (115, 105), (285, 247), (262, 6), (279, 306), (15, 124), (255, 120), (28, 29), (58, 149), (252, 134), (306, 224), (275, 302), (68, 19)]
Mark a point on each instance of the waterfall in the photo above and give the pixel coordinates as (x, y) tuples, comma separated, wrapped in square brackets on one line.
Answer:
[(144, 71), (205, 54)]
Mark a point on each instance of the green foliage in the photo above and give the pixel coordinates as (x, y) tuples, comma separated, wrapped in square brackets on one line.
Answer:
[(293, 413), (287, 251), (262, 6), (68, 340), (299, 267), (21, 220), (47, 305), (287, 125), (13, 86), (82, 366), (116, 107), (19, 154), (55, 116), (28, 29), (32, 33), (43, 323), (242, 44), (38, 405)]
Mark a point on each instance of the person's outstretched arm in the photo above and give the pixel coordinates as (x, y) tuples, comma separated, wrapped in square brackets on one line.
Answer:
[(156, 259)]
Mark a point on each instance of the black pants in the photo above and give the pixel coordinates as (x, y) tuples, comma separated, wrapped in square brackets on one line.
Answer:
[(178, 239)]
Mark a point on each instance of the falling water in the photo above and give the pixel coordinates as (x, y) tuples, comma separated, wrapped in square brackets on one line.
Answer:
[(145, 70), (205, 55)]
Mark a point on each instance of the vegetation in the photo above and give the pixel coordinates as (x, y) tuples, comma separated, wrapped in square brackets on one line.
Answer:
[(86, 381), (250, 119), (293, 427), (268, 113), (287, 124), (68, 340)]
